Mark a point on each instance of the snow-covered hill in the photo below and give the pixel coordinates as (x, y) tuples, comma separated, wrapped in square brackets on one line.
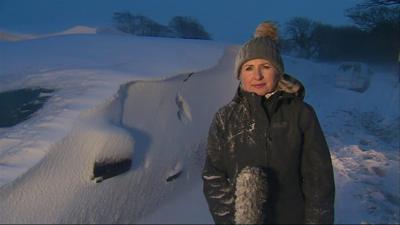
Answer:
[(79, 29), (152, 99), (85, 71), (12, 36)]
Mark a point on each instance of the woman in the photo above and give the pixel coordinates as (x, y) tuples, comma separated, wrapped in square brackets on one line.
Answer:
[(267, 158)]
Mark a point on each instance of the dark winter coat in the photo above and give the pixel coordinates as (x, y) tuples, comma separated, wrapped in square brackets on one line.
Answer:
[(283, 136)]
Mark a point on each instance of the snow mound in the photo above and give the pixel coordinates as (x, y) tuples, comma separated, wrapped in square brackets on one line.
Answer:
[(366, 186), (76, 30), (79, 29), (139, 57), (8, 36), (97, 76), (102, 128), (59, 188), (352, 162)]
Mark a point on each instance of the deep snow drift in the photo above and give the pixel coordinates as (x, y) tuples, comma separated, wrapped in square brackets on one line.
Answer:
[(152, 99), (85, 71)]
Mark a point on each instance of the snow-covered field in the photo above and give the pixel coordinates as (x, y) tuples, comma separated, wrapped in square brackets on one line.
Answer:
[(152, 99)]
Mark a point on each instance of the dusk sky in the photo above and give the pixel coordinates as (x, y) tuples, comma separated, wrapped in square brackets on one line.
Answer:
[(226, 20)]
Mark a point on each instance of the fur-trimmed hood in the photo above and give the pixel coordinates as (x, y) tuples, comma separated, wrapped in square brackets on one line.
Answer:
[(291, 85)]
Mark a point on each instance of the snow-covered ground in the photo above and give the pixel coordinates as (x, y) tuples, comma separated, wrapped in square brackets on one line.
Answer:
[(85, 71), (153, 99)]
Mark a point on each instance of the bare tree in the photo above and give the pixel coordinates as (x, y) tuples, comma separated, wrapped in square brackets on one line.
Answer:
[(179, 26), (381, 19), (300, 31), (124, 22), (369, 18), (375, 3), (188, 27), (139, 25)]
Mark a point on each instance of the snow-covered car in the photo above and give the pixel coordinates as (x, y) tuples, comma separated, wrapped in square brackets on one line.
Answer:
[(353, 76)]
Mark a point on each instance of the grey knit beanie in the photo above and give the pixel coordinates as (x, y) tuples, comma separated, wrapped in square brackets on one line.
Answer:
[(263, 45)]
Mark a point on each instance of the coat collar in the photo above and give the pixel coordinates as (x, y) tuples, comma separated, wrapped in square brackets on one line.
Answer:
[(288, 88)]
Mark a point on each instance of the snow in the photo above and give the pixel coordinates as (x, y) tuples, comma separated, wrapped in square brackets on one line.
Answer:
[(11, 36), (77, 30), (83, 77), (152, 100)]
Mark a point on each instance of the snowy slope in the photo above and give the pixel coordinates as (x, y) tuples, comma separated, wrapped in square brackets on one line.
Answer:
[(363, 134), (141, 113), (100, 110), (11, 36), (121, 53), (85, 71)]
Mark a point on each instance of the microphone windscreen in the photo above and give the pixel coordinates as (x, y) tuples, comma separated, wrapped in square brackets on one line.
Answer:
[(250, 196)]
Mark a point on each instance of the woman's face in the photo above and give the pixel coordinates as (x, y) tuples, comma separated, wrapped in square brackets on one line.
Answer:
[(259, 76)]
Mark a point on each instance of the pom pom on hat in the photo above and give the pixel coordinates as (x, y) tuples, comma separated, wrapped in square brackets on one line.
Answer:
[(266, 29)]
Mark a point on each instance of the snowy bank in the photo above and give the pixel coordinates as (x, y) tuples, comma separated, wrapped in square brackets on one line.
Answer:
[(101, 111), (85, 71), (166, 121)]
